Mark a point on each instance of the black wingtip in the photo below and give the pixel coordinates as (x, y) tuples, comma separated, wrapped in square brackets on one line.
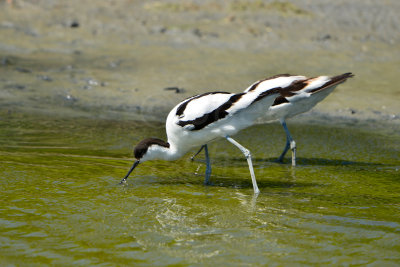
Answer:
[(346, 75), (339, 78)]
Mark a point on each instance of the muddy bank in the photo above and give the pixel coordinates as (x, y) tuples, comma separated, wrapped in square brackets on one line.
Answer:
[(121, 58)]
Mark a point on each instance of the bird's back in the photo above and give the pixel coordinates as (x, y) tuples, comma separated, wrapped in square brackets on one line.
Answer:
[(202, 118), (297, 94)]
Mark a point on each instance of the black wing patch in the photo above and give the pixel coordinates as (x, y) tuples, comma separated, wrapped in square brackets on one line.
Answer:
[(254, 86), (280, 100), (182, 107), (289, 91), (299, 85), (213, 116), (272, 91)]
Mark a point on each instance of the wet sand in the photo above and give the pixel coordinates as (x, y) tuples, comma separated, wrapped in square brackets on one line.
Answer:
[(119, 58)]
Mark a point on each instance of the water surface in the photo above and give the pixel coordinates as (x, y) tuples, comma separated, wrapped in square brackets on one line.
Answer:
[(61, 203)]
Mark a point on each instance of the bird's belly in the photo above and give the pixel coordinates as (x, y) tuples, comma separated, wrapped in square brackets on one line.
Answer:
[(287, 110)]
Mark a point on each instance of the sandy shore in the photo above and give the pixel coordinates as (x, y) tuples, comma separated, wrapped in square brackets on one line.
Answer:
[(118, 58)]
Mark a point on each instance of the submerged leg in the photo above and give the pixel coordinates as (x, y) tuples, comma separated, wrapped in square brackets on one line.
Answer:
[(208, 163), (208, 166), (247, 154), (201, 148), (290, 143)]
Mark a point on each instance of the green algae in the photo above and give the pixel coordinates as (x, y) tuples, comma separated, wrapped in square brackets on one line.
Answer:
[(61, 203), (281, 8)]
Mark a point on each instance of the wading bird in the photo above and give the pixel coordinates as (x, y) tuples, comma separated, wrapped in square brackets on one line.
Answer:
[(297, 94), (203, 118)]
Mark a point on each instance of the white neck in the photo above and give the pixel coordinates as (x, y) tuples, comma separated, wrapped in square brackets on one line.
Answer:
[(163, 153)]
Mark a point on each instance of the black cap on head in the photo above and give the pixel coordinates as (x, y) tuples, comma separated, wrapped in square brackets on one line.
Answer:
[(142, 146)]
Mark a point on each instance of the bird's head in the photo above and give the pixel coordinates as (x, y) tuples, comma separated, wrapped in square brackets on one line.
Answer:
[(148, 149)]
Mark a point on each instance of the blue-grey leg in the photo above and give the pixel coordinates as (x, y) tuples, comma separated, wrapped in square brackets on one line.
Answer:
[(247, 154), (201, 148), (208, 166), (290, 143)]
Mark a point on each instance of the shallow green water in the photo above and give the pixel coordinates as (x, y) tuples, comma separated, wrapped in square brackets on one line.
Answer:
[(61, 205)]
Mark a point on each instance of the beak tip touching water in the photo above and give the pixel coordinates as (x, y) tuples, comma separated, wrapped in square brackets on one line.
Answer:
[(123, 181)]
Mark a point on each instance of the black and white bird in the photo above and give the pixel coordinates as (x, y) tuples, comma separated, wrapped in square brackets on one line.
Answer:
[(297, 94), (203, 118)]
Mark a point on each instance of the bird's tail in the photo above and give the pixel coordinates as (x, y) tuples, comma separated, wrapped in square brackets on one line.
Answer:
[(329, 82)]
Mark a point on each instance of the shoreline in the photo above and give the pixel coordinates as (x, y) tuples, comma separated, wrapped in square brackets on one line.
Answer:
[(386, 126), (98, 61)]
